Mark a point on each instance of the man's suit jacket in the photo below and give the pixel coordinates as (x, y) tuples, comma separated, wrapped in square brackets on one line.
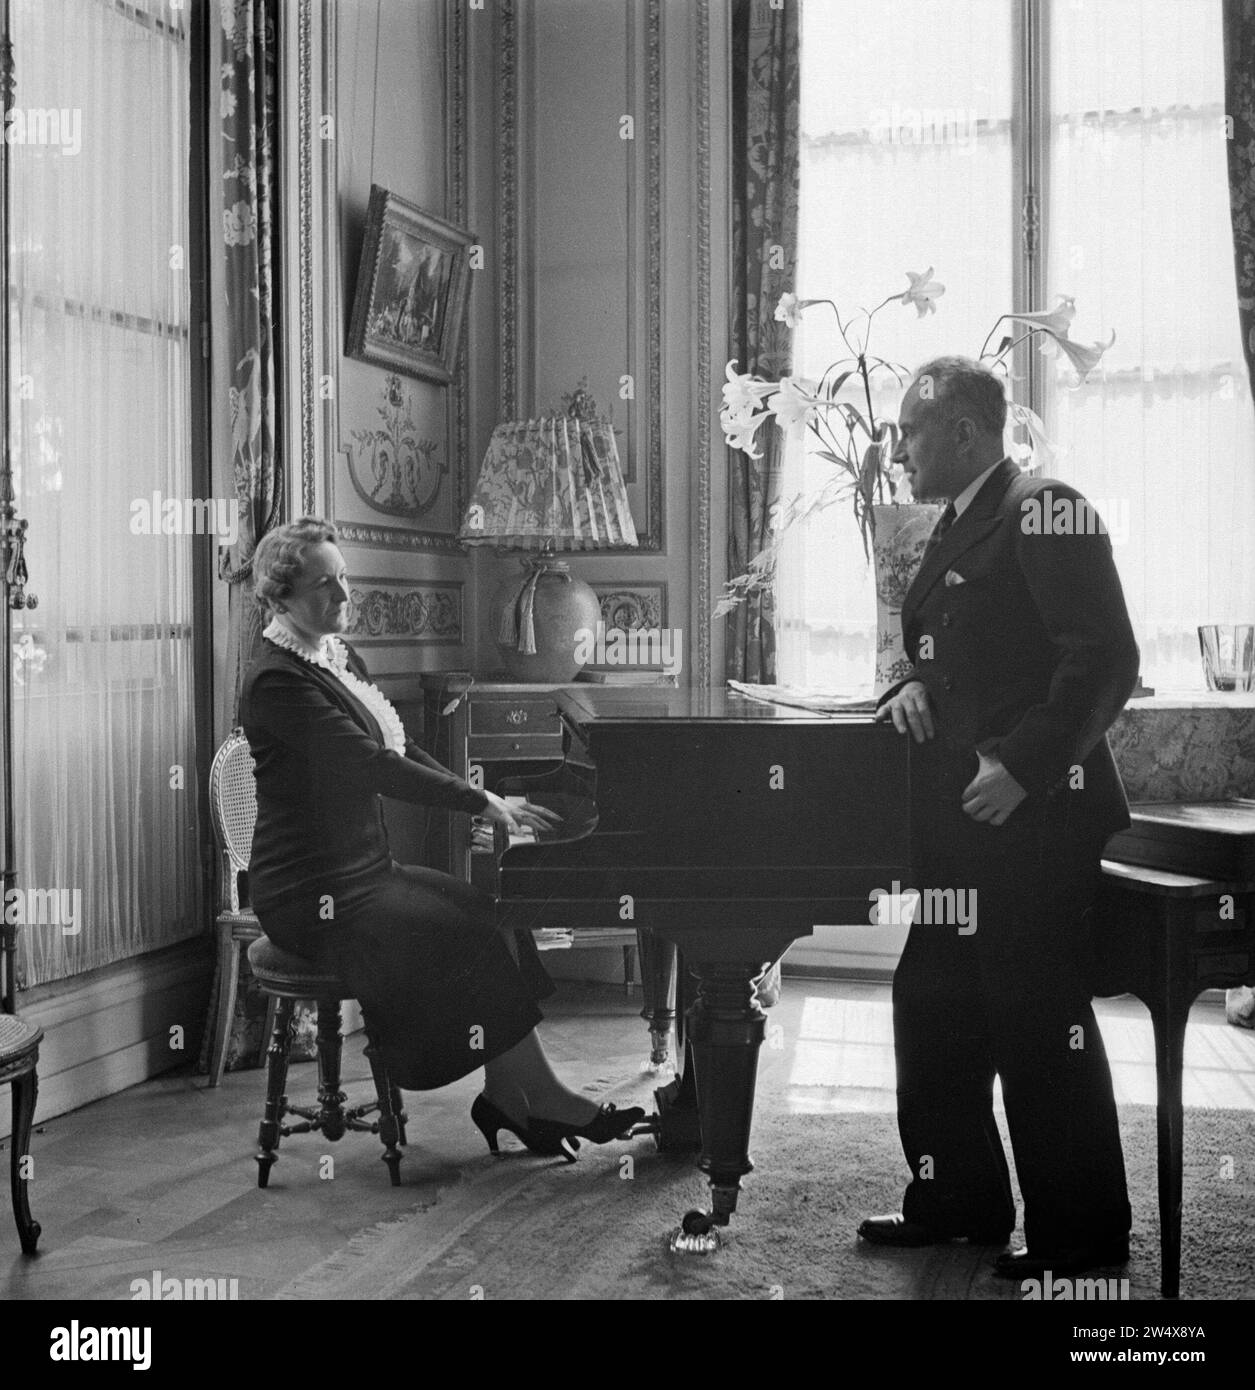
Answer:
[(1031, 656)]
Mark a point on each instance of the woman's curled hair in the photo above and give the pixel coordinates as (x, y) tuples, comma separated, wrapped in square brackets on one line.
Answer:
[(280, 556)]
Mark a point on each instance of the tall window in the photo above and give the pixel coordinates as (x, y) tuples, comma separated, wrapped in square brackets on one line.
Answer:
[(1028, 149), (105, 764)]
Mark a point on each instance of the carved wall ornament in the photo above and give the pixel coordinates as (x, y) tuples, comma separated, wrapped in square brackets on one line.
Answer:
[(393, 470), (401, 612)]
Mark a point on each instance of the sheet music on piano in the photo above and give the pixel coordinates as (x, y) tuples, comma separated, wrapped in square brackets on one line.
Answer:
[(814, 698)]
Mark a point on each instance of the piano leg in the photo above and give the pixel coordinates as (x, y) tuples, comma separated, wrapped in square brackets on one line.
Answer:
[(1169, 1025), (658, 983), (726, 1029)]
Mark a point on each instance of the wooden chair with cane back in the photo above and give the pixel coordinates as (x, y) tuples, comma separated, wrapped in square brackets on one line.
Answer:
[(233, 807), (285, 979)]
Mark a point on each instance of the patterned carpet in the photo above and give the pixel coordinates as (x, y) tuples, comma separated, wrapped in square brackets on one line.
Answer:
[(536, 1229)]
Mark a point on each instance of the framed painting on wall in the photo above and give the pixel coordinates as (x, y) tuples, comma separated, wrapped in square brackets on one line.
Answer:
[(412, 287)]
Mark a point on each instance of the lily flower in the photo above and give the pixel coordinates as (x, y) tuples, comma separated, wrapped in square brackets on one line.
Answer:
[(1083, 358), (744, 392), (1040, 445), (1056, 321), (739, 429), (789, 310), (794, 404), (922, 291)]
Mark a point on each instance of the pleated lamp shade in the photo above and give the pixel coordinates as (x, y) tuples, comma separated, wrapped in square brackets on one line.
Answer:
[(553, 483), (548, 485)]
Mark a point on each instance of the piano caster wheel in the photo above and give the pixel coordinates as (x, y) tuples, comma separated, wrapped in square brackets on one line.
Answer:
[(698, 1235)]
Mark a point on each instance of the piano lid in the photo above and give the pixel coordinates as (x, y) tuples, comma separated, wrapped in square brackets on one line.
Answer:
[(1215, 839), (1233, 817), (651, 704)]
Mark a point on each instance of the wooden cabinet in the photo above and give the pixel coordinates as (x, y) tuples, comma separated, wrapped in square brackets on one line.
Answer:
[(484, 731)]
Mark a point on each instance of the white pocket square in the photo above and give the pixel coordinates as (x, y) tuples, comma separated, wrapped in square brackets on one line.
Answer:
[(954, 577)]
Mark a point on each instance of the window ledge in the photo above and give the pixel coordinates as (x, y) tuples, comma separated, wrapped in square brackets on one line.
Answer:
[(1194, 699)]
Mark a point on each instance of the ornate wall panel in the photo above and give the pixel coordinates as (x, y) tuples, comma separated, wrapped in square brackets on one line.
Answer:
[(580, 223)]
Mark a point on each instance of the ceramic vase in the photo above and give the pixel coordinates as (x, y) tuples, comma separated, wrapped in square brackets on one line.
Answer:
[(902, 532)]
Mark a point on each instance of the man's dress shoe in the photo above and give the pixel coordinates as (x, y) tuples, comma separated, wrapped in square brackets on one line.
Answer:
[(897, 1231), (1023, 1264)]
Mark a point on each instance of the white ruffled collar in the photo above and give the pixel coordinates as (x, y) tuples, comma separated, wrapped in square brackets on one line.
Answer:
[(332, 655)]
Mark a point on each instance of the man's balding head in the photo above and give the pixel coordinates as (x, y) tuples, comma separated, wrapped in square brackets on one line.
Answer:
[(951, 420), (965, 388)]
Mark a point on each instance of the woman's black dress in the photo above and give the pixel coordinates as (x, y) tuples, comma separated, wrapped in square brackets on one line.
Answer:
[(442, 988)]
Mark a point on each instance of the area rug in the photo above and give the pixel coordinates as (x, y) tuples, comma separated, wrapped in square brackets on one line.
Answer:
[(520, 1227)]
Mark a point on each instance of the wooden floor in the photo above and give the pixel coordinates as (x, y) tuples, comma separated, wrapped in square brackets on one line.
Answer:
[(161, 1177)]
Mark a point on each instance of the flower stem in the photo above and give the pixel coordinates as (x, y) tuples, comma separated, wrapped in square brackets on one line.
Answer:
[(985, 345), (1011, 347)]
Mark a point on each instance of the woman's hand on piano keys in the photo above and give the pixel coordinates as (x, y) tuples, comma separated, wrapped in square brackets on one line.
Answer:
[(500, 812)]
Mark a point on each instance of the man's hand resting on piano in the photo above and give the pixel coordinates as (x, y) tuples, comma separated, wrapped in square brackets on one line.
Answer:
[(909, 708), (500, 812)]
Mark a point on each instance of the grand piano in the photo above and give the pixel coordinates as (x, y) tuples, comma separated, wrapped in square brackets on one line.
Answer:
[(727, 828)]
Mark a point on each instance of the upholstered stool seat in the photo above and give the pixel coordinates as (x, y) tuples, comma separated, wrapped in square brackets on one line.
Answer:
[(280, 972), (286, 978)]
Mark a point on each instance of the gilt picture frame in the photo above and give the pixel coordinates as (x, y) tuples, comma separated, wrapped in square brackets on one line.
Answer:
[(413, 284)]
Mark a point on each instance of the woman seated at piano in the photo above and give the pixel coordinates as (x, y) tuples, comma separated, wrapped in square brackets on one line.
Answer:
[(443, 988)]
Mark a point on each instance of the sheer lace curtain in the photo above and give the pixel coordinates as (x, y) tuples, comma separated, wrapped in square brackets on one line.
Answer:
[(907, 149), (906, 164), (1140, 233), (106, 796)]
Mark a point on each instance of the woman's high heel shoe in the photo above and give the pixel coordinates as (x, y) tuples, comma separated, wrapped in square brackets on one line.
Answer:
[(490, 1120), (609, 1123)]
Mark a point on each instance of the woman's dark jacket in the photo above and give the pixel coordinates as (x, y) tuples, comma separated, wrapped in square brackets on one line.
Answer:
[(321, 770)]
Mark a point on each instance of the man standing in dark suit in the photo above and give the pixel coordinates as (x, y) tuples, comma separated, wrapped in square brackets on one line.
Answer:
[(1023, 655)]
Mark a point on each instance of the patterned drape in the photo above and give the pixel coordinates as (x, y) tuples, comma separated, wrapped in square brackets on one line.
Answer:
[(1239, 62), (765, 93), (249, 105)]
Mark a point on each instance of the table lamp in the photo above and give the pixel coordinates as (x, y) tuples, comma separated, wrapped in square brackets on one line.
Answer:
[(548, 485)]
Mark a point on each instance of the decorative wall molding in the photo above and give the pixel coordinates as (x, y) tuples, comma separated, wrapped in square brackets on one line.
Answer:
[(517, 209), (310, 310), (629, 604), (508, 209), (305, 255), (701, 576), (403, 612), (652, 536), (457, 171), (456, 451), (393, 470)]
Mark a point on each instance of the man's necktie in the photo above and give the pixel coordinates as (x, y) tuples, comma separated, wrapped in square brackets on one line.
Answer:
[(943, 525)]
